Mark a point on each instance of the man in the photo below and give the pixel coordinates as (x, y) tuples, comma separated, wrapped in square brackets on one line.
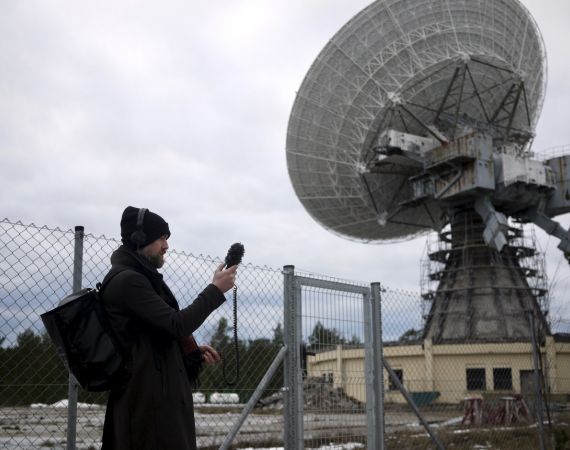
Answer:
[(152, 408)]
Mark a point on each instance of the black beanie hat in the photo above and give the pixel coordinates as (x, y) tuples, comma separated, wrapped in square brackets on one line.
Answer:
[(153, 227)]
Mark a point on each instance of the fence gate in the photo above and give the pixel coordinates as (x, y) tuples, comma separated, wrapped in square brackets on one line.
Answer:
[(323, 315)]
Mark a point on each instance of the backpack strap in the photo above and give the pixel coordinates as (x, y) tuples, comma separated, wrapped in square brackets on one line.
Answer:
[(103, 314), (112, 274)]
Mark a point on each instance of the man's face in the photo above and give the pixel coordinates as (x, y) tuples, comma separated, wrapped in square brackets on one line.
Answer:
[(155, 251)]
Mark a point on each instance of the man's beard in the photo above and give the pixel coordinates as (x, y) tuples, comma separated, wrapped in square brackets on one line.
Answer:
[(156, 260)]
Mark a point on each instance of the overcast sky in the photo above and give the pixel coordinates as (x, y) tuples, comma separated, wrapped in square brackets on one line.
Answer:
[(182, 107)]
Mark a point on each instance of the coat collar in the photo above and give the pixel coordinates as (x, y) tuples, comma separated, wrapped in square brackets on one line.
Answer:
[(124, 256)]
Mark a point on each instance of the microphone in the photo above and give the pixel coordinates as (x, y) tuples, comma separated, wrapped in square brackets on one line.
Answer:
[(235, 254)]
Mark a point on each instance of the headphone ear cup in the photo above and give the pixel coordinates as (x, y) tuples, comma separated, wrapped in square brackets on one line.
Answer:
[(138, 238)]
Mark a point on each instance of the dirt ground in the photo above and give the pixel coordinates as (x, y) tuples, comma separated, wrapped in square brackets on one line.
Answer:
[(43, 428)]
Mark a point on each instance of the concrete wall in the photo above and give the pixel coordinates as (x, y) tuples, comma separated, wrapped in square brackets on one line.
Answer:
[(442, 368)]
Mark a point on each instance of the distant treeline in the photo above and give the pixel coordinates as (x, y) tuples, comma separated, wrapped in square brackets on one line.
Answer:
[(32, 372)]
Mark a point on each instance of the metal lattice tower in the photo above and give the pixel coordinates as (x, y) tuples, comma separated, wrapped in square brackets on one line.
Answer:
[(482, 294)]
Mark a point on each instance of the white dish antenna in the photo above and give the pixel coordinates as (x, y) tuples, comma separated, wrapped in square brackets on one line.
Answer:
[(399, 82)]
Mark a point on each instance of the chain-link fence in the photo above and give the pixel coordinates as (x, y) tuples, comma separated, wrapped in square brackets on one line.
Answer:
[(463, 395), (36, 271), (467, 395), (327, 320)]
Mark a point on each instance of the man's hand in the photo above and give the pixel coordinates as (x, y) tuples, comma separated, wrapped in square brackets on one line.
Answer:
[(224, 279), (209, 354)]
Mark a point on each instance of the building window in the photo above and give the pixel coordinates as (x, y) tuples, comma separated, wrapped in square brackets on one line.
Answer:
[(329, 378), (400, 375), (502, 379), (476, 379)]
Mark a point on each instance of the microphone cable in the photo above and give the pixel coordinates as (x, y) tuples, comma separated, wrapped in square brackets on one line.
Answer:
[(236, 346)]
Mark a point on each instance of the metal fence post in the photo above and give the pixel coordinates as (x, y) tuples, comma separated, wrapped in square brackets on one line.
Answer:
[(374, 373), (73, 385), (538, 391), (293, 379), (254, 398)]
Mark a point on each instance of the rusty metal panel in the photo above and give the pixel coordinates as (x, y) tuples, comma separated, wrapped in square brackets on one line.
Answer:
[(476, 176), (559, 202), (466, 148)]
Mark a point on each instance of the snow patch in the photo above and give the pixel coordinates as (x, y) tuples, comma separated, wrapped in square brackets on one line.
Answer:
[(64, 404)]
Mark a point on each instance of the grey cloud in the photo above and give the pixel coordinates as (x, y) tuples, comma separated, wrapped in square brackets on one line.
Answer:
[(106, 104)]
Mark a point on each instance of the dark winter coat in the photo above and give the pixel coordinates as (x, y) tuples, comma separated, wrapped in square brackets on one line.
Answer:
[(153, 409)]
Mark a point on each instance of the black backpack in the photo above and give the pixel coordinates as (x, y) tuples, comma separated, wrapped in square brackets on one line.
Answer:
[(85, 341)]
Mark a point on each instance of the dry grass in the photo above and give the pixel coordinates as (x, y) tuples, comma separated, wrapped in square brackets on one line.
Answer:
[(484, 437)]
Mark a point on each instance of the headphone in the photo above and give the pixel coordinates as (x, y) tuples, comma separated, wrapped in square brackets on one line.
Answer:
[(139, 236)]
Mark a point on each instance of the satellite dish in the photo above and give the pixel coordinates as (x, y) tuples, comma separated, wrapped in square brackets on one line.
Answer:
[(417, 115), (404, 84)]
